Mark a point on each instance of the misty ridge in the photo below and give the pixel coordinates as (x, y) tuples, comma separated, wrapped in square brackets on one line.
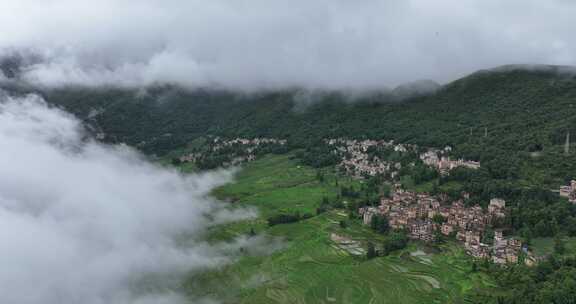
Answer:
[(21, 71), (17, 66), (279, 44)]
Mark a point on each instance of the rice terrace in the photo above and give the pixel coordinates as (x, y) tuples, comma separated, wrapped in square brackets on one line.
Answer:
[(314, 266)]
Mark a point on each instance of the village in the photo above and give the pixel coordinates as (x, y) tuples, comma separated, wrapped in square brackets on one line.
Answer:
[(357, 161), (443, 164), (246, 151), (423, 217)]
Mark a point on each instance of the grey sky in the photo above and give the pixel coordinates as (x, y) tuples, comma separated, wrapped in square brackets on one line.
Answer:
[(271, 43)]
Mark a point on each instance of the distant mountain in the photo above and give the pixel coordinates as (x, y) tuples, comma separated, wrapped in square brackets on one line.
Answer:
[(506, 111), (13, 63), (416, 89)]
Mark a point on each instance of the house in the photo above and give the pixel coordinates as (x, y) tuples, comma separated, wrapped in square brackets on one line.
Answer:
[(569, 191), (496, 204), (496, 208), (461, 236), (446, 229), (421, 230), (367, 214), (505, 249)]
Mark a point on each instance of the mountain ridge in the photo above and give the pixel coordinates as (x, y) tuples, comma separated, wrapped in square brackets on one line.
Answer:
[(500, 116)]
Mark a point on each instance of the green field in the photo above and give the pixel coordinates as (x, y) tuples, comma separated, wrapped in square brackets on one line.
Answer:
[(310, 267)]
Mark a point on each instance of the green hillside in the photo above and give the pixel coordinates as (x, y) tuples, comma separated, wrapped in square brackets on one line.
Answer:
[(311, 268), (514, 121)]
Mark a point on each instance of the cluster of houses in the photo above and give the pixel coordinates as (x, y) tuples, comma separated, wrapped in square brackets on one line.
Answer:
[(190, 157), (441, 162), (424, 216), (357, 162), (569, 191), (219, 142), (248, 147)]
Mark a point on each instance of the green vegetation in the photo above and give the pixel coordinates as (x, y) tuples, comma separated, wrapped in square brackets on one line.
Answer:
[(513, 121), (311, 267), (278, 184), (544, 246), (525, 116), (550, 281)]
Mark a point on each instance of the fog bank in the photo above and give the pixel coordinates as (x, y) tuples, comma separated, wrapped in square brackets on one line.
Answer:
[(329, 44), (82, 222)]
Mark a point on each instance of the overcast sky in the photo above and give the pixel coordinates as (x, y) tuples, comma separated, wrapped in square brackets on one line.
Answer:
[(271, 43)]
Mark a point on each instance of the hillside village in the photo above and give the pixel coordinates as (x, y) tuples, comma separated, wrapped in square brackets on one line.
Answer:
[(443, 164), (424, 217), (358, 158), (356, 161), (233, 152)]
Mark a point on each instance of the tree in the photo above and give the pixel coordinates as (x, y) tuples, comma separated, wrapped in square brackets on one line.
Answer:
[(435, 188), (438, 219), (352, 215), (379, 224), (438, 237), (541, 228), (283, 219), (343, 224), (559, 245), (371, 252), (526, 233), (320, 176), (488, 236), (176, 161), (395, 241), (252, 233)]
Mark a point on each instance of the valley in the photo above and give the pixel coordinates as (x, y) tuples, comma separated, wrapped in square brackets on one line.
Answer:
[(287, 152), (485, 164), (310, 267)]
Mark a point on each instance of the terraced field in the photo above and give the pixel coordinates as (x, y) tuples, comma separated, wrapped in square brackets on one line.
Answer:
[(311, 268)]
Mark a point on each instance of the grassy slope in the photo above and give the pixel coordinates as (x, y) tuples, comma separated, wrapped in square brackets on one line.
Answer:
[(309, 269)]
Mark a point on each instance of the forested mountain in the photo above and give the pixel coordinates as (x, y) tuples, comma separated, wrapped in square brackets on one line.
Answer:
[(506, 118), (514, 120)]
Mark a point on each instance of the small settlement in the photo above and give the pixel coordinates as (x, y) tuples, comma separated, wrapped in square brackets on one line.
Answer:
[(569, 191), (247, 146), (415, 212), (438, 160), (357, 162)]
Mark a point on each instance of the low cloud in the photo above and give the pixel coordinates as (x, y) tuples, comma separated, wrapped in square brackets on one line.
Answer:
[(82, 222), (326, 44)]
